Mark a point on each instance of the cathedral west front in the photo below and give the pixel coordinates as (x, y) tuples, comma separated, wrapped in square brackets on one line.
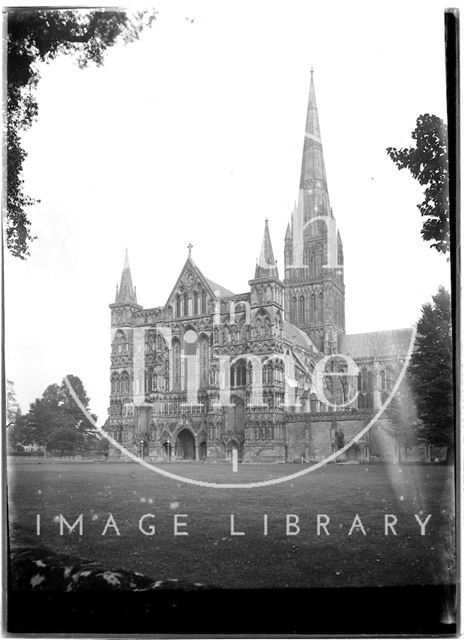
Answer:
[(269, 372)]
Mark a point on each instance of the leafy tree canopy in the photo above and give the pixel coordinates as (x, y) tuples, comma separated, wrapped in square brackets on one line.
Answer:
[(40, 36), (57, 421), (428, 164), (12, 407)]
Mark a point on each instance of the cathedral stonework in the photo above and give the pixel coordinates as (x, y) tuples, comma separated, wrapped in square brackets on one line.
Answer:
[(212, 371)]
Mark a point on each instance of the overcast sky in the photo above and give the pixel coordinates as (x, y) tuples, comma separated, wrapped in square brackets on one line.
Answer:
[(195, 134)]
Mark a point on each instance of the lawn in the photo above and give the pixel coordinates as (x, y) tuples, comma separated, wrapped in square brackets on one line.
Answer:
[(210, 554)]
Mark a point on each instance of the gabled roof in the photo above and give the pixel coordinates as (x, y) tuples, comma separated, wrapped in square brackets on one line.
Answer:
[(210, 286), (222, 291), (376, 344), (297, 337)]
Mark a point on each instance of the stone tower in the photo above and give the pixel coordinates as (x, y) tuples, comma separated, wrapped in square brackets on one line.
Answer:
[(122, 357), (267, 290), (314, 286), (265, 433)]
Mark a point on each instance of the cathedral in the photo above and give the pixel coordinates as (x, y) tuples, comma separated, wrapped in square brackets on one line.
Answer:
[(270, 372)]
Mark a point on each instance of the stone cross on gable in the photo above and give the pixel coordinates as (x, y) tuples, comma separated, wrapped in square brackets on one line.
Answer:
[(190, 247)]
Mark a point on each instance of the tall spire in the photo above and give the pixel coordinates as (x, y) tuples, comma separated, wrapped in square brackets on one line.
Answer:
[(314, 292), (313, 177), (266, 266), (126, 292)]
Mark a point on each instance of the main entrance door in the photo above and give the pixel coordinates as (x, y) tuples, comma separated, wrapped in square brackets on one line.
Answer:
[(185, 445)]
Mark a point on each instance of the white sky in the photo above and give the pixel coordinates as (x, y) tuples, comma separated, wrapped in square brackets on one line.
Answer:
[(195, 134)]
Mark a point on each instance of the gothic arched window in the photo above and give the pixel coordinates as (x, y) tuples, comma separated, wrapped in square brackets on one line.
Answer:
[(120, 343), (302, 310), (186, 304), (370, 381), (124, 382), (293, 311), (383, 381), (204, 362), (238, 374), (267, 374), (178, 313), (115, 383), (203, 301), (321, 305), (176, 364), (364, 380), (195, 304)]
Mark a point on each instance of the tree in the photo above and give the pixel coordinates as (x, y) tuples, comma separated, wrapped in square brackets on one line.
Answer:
[(102, 447), (43, 417), (14, 419), (12, 407), (428, 164), (432, 372), (57, 421), (36, 36), (402, 415)]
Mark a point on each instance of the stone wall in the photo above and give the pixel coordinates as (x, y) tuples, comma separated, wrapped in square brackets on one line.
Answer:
[(296, 440), (264, 452), (310, 438)]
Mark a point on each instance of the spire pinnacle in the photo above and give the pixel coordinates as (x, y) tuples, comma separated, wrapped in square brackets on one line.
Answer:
[(126, 292), (313, 177), (266, 266), (288, 233)]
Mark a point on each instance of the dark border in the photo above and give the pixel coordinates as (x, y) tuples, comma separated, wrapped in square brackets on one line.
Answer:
[(416, 610), (452, 57), (390, 611)]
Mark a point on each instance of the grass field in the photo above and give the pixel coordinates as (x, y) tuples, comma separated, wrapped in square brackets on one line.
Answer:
[(210, 554)]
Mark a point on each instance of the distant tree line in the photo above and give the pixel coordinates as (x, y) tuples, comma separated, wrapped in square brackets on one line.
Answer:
[(54, 422)]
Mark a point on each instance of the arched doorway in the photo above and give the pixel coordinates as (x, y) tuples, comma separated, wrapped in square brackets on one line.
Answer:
[(185, 445), (167, 450), (231, 445), (353, 453), (202, 450)]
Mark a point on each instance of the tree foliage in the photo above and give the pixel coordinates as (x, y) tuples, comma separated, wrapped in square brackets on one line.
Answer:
[(404, 423), (57, 422), (39, 36), (432, 371), (428, 164), (13, 409)]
